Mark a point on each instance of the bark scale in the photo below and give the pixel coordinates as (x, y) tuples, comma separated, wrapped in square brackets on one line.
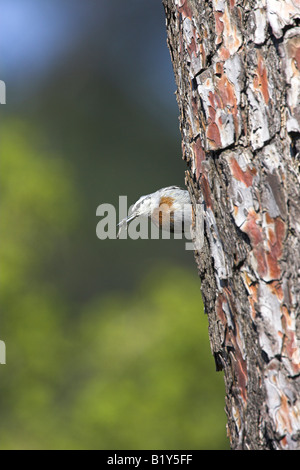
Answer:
[(237, 69)]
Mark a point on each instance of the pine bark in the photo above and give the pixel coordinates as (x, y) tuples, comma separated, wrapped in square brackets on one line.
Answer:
[(237, 69)]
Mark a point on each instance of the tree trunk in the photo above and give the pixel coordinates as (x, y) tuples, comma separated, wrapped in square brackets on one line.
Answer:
[(237, 69)]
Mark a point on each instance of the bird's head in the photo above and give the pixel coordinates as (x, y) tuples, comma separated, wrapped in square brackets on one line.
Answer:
[(142, 208)]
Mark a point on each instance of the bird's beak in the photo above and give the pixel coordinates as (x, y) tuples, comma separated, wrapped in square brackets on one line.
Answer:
[(125, 222)]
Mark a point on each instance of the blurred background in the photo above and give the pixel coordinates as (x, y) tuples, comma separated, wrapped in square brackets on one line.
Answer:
[(107, 341)]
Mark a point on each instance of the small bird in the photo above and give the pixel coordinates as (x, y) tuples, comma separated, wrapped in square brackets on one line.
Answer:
[(169, 208)]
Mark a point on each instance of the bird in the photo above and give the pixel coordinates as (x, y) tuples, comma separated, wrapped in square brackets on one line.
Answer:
[(169, 208)]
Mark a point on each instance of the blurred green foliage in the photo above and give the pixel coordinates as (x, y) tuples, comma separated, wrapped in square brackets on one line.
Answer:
[(117, 370)]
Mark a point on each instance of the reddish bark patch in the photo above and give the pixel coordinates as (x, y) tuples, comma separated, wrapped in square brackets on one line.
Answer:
[(195, 117), (233, 340), (252, 294), (212, 131), (260, 80), (290, 346), (213, 134), (266, 242), (219, 309), (245, 177), (254, 232), (241, 374), (219, 26), (275, 243), (276, 289), (193, 46), (203, 54), (206, 191), (199, 156), (228, 97), (185, 9)]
